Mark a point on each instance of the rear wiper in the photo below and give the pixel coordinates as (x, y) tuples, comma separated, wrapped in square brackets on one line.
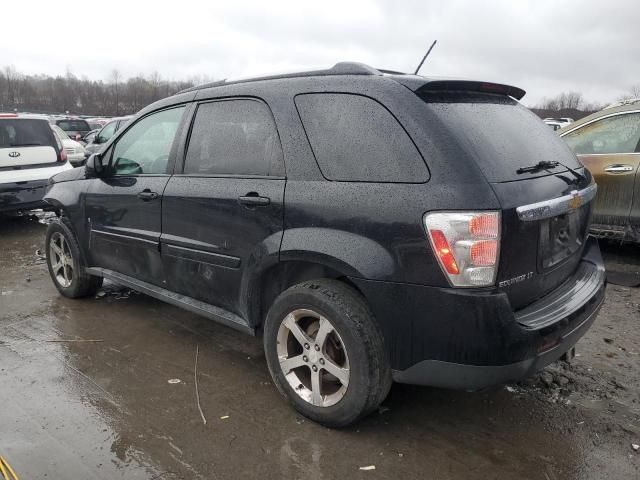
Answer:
[(579, 176), (546, 164), (541, 165)]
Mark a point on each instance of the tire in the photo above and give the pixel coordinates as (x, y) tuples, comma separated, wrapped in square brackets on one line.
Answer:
[(353, 349), (68, 271)]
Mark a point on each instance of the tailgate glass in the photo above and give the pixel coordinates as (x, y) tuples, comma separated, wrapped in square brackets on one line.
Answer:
[(503, 134)]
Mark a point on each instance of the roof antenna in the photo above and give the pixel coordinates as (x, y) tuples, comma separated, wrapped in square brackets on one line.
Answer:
[(425, 57)]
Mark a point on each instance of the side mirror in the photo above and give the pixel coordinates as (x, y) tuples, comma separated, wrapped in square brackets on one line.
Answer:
[(93, 167)]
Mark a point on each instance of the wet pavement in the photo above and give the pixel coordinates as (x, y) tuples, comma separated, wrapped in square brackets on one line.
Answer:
[(123, 405)]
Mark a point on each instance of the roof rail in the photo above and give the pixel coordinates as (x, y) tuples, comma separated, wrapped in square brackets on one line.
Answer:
[(340, 68)]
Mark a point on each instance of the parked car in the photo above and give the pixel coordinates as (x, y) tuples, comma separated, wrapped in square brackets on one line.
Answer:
[(554, 124), (76, 128), (608, 144), (564, 120), (371, 227), (74, 150), (29, 155), (95, 144), (89, 137), (97, 123)]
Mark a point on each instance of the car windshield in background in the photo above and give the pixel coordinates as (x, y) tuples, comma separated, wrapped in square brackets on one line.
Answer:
[(73, 125), (24, 133), (507, 135)]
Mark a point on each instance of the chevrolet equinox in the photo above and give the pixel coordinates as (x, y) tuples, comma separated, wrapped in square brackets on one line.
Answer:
[(371, 226)]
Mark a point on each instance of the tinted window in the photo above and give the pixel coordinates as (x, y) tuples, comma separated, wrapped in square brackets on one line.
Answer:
[(25, 133), (73, 125), (619, 134), (145, 147), (502, 134), (354, 138), (234, 137)]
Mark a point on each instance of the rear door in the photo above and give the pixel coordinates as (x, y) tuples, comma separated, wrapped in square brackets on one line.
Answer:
[(124, 208), (223, 211), (608, 147)]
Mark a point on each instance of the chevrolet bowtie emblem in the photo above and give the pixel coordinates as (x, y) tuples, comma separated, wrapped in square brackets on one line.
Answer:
[(576, 201)]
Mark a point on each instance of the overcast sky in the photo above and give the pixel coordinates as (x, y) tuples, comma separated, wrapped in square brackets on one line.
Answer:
[(545, 47)]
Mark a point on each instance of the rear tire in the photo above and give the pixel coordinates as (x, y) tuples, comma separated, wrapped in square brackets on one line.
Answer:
[(66, 263), (325, 352)]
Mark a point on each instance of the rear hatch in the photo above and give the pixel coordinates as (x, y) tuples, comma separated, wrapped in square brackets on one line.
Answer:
[(541, 245), (26, 143)]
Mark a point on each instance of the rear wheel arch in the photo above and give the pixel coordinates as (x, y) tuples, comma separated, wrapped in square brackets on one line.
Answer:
[(279, 277)]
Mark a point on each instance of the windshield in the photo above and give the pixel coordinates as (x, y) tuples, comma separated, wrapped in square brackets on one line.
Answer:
[(73, 125), (503, 135), (25, 133)]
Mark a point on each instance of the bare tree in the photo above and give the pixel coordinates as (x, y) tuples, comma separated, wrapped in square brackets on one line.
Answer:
[(118, 95), (632, 93)]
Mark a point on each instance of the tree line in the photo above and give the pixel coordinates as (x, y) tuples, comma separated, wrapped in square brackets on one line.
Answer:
[(573, 104), (124, 96), (73, 95)]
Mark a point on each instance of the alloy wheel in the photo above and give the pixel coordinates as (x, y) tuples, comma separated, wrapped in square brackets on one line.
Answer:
[(61, 260), (313, 357)]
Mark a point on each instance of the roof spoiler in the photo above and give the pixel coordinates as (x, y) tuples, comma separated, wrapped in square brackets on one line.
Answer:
[(471, 86)]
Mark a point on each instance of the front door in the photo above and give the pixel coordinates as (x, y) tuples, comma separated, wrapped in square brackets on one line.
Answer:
[(609, 149), (124, 207), (224, 212)]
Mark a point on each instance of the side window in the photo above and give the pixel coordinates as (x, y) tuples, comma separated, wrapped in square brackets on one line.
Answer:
[(106, 133), (236, 137), (356, 139), (618, 134), (145, 147)]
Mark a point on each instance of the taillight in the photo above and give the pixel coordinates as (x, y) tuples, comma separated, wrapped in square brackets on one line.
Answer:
[(466, 244), (63, 156)]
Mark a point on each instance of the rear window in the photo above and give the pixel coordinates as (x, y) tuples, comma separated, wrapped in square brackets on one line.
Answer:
[(503, 134), (356, 139), (25, 133), (73, 125), (234, 137)]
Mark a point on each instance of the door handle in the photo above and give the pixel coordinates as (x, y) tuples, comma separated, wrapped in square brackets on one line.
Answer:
[(147, 195), (252, 199), (618, 168)]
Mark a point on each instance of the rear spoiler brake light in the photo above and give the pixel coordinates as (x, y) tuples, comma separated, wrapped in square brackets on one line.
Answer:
[(471, 86)]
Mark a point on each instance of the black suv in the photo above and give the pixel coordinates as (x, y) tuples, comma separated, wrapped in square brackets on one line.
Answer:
[(371, 226)]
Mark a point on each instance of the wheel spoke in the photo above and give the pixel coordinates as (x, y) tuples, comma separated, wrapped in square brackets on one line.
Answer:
[(340, 373), (55, 268), (295, 329), (57, 249), (323, 331), (316, 395), (67, 273), (289, 364)]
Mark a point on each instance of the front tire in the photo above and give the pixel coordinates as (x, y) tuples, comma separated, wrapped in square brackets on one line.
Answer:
[(325, 352), (66, 264)]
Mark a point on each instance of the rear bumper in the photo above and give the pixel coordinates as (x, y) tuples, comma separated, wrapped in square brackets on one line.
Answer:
[(22, 195), (469, 340)]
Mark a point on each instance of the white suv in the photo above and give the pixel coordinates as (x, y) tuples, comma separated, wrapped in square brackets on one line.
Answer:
[(30, 153)]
